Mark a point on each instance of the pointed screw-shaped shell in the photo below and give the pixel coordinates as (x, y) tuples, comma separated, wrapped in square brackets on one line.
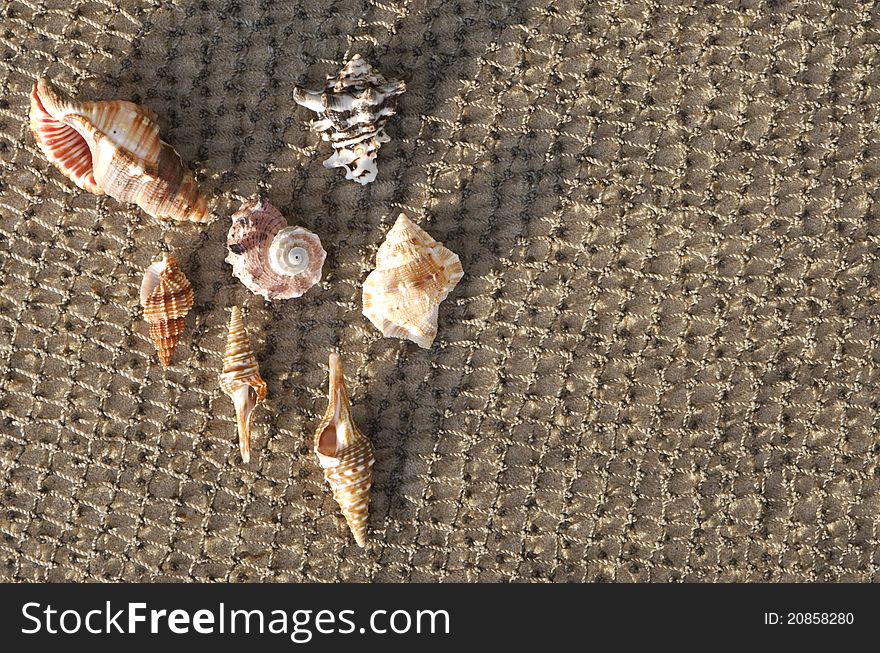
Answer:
[(414, 274), (166, 297), (113, 147), (270, 258), (346, 456), (352, 109), (241, 380)]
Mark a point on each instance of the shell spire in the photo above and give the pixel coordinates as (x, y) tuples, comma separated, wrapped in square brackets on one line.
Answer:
[(270, 258), (353, 108), (346, 456), (113, 147), (166, 297), (241, 380), (414, 274)]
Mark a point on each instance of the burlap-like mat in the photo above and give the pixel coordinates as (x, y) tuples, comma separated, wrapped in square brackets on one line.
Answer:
[(662, 363)]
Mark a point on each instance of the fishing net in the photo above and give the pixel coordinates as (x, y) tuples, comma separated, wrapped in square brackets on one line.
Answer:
[(662, 362)]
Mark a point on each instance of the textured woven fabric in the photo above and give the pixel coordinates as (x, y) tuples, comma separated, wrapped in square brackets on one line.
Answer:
[(662, 363)]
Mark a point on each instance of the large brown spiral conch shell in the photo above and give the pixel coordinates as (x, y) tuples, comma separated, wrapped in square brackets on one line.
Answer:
[(413, 274), (241, 380), (270, 258), (113, 147), (352, 111), (346, 456), (166, 297)]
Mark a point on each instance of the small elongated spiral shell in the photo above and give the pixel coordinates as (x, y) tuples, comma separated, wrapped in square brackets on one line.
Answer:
[(270, 258), (241, 380), (352, 109), (414, 274), (166, 297), (346, 456), (113, 147)]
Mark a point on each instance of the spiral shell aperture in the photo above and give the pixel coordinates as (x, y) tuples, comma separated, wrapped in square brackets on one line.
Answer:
[(270, 258), (346, 456), (288, 253)]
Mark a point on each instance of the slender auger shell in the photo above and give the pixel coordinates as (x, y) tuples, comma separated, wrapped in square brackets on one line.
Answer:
[(270, 258), (113, 147), (352, 109), (166, 297), (413, 275), (346, 456), (241, 380)]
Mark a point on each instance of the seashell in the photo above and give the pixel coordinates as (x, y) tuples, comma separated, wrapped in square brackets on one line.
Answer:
[(241, 380), (113, 147), (413, 274), (166, 296), (346, 456), (270, 258), (352, 109)]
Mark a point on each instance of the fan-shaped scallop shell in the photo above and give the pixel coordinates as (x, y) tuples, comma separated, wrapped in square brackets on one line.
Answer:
[(346, 456), (113, 147), (166, 297), (413, 274), (352, 111), (270, 258), (241, 380)]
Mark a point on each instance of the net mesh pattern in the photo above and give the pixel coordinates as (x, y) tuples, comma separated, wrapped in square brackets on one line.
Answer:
[(662, 363)]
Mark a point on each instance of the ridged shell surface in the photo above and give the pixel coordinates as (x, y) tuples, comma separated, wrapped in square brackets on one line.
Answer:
[(166, 297), (414, 274), (113, 147), (241, 380), (270, 258), (352, 109), (346, 456)]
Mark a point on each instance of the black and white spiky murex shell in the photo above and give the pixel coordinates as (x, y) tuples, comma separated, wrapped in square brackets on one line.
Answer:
[(353, 108)]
